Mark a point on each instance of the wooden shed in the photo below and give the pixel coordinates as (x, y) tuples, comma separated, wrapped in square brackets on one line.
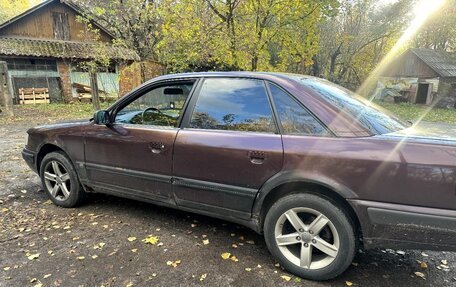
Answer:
[(45, 46), (422, 76)]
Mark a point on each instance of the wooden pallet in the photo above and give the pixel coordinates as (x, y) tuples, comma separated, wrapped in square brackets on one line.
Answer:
[(34, 96)]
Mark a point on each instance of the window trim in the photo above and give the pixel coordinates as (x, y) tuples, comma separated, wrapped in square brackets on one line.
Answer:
[(142, 90), (191, 107), (282, 132)]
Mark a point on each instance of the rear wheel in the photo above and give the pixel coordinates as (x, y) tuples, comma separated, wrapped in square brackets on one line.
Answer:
[(310, 236), (60, 180)]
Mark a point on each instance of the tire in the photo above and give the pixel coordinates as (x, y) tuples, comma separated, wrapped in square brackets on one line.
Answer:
[(325, 226), (61, 185)]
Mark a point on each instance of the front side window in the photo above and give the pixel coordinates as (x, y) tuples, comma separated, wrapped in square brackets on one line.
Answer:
[(160, 106), (233, 104), (295, 119)]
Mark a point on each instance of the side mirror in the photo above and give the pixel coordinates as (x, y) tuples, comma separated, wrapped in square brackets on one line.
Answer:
[(101, 117)]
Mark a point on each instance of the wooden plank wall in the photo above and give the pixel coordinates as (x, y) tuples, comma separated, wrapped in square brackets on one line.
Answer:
[(410, 66), (39, 24)]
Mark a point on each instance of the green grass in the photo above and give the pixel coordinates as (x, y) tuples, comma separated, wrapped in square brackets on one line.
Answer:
[(413, 112), (45, 113)]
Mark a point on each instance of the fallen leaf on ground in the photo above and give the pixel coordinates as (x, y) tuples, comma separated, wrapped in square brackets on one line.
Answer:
[(348, 283), (203, 277), (234, 258), (134, 250), (421, 275), (285, 277), (80, 257), (423, 265), (173, 263), (206, 241), (33, 256), (131, 238), (444, 262), (47, 276), (94, 256), (226, 255), (150, 240), (99, 245), (248, 269)]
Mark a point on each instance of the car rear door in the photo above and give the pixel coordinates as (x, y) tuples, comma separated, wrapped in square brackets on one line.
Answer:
[(132, 157), (228, 147)]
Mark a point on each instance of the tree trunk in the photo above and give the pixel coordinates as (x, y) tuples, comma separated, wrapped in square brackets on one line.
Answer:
[(316, 71), (5, 89), (332, 65), (94, 88), (254, 62)]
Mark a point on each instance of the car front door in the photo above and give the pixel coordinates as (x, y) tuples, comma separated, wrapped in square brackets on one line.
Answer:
[(228, 147), (132, 157)]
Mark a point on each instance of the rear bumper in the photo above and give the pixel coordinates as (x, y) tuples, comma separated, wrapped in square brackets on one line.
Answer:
[(409, 227), (30, 158)]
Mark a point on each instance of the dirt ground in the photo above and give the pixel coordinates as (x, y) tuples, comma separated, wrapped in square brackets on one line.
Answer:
[(100, 243)]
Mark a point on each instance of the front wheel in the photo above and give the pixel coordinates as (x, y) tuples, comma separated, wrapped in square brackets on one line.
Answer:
[(310, 236), (60, 180)]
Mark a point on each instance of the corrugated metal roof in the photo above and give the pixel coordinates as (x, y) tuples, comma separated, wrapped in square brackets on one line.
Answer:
[(10, 46), (439, 61)]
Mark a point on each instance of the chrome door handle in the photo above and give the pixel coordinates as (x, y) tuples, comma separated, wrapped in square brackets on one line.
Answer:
[(156, 147), (257, 157)]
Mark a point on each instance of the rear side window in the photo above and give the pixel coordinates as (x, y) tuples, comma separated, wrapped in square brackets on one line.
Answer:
[(233, 104), (295, 119)]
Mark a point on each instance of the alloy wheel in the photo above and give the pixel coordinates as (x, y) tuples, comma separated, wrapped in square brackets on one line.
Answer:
[(307, 238), (57, 180)]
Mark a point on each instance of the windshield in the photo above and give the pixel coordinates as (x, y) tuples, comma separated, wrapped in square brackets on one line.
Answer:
[(374, 118)]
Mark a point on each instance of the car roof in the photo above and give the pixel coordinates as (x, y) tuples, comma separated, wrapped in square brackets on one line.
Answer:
[(258, 75)]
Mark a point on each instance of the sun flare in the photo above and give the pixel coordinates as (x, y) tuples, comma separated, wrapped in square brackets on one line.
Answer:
[(422, 12)]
